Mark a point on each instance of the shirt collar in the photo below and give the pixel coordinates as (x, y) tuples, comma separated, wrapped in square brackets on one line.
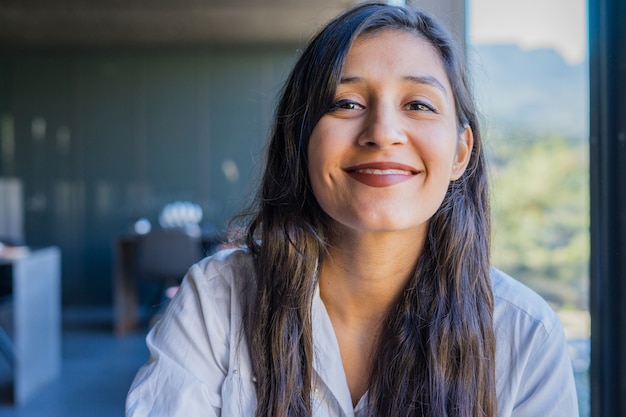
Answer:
[(327, 356)]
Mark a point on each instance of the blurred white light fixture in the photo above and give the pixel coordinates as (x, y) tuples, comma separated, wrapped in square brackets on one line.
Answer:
[(143, 226)]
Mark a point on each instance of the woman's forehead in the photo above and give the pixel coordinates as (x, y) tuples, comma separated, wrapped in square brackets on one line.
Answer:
[(394, 51)]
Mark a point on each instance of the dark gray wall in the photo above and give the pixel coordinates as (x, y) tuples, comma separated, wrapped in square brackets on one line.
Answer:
[(103, 137)]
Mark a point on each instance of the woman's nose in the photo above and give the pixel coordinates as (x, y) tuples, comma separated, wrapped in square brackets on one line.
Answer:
[(383, 127)]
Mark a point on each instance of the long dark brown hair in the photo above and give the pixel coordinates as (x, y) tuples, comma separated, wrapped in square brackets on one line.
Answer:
[(435, 357)]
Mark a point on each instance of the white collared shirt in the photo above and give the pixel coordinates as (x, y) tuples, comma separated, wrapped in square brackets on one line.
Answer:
[(199, 363)]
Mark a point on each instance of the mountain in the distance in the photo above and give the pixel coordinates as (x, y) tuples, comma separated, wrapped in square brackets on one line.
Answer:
[(535, 90)]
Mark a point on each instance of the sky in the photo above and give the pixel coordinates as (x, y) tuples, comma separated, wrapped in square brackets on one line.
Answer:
[(558, 24)]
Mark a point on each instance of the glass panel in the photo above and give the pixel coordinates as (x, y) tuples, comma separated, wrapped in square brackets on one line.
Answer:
[(529, 64)]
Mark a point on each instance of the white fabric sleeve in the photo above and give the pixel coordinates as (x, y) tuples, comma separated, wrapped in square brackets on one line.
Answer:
[(547, 387), (189, 352)]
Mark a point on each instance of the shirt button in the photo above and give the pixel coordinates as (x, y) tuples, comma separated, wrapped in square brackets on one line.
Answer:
[(235, 372)]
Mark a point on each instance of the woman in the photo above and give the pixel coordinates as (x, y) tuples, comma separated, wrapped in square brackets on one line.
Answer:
[(365, 287)]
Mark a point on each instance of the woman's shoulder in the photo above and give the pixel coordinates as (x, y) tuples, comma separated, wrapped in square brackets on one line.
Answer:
[(219, 281), (514, 301), (194, 348), (531, 353), (224, 268)]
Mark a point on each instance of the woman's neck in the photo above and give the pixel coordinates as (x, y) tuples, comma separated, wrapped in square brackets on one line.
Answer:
[(360, 281), (363, 275)]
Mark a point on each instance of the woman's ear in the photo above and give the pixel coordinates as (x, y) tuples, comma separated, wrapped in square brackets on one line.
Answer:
[(463, 153)]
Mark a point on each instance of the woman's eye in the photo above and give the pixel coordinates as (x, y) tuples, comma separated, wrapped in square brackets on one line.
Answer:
[(345, 105), (420, 106)]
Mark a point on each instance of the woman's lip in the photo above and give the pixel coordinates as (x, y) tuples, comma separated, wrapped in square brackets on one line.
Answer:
[(381, 174), (383, 166)]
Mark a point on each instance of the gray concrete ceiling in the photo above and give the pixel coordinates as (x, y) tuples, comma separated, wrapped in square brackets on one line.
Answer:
[(110, 23), (67, 23)]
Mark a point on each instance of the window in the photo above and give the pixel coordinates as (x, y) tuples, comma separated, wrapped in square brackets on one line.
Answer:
[(529, 64)]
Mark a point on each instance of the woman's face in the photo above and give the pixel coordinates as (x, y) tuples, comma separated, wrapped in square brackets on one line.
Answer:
[(381, 159)]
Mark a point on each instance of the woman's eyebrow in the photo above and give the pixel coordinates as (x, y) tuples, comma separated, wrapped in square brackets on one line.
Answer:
[(428, 80), (417, 79), (350, 80)]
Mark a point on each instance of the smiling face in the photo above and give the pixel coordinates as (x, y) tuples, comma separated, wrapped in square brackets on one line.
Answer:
[(381, 158)]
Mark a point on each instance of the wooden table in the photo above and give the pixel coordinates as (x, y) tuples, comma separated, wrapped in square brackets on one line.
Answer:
[(32, 337)]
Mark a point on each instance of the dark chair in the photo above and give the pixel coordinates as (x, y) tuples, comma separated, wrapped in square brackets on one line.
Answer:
[(165, 255)]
